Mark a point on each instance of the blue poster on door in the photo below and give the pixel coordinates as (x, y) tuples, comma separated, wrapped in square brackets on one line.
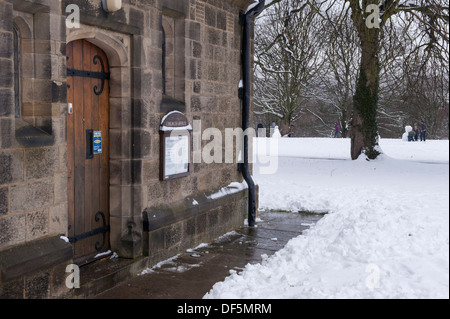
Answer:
[(97, 142)]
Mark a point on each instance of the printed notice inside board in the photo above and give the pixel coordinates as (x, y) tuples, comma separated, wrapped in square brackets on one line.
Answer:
[(176, 155)]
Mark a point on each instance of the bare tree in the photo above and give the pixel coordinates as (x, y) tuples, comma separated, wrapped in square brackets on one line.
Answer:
[(338, 76), (374, 22), (287, 59)]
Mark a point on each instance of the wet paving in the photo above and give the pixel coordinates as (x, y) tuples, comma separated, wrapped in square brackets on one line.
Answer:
[(192, 274)]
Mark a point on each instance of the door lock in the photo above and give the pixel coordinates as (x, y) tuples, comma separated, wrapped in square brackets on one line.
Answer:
[(70, 108)]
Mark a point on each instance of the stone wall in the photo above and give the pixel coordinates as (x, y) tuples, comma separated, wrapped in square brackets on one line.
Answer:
[(33, 172), (205, 70)]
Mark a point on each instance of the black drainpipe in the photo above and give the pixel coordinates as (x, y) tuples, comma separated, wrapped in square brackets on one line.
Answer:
[(246, 20)]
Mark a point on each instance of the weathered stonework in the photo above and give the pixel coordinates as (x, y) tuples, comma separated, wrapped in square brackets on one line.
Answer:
[(202, 39)]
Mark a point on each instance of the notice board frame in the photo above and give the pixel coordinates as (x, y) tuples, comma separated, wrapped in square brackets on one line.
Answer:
[(174, 125)]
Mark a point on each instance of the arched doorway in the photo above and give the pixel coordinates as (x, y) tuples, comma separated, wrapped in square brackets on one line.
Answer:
[(88, 150)]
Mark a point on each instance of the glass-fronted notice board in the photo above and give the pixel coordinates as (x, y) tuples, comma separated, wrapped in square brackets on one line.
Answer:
[(175, 134), (176, 155)]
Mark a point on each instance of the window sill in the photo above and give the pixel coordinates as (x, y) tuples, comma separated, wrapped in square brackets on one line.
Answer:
[(30, 136)]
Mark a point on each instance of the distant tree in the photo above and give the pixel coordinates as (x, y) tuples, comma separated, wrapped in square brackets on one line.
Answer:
[(339, 72), (287, 57), (374, 21)]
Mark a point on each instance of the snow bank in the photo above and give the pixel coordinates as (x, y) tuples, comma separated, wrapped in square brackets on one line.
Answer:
[(386, 234), (339, 148)]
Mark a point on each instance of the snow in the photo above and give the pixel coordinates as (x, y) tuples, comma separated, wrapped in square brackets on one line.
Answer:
[(386, 234), (159, 265), (250, 7), (181, 128), (64, 238), (202, 245), (103, 254), (233, 188)]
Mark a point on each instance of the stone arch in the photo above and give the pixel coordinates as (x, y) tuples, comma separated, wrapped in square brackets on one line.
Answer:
[(115, 49), (24, 29)]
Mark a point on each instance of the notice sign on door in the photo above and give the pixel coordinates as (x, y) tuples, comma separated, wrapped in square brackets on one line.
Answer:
[(97, 142)]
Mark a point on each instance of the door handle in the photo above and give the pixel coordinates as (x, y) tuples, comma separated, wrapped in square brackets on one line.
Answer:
[(89, 144)]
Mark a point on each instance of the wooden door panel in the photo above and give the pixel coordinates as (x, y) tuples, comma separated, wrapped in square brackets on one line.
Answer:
[(88, 178)]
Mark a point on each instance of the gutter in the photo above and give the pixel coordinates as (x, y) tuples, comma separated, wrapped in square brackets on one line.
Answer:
[(247, 19)]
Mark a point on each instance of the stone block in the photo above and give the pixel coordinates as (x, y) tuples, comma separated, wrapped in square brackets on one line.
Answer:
[(37, 286), (201, 224), (211, 16), (41, 47), (7, 102), (6, 135), (6, 45), (43, 21), (197, 87), (141, 143), (6, 16), (41, 162), (172, 235), (4, 201), (119, 144), (214, 36), (10, 166), (34, 261), (139, 113), (155, 241), (30, 196), (59, 92), (36, 224), (42, 109), (42, 91), (196, 49), (194, 32), (213, 219), (60, 187), (43, 66), (7, 78), (120, 82), (190, 227), (12, 231), (12, 290), (58, 221), (222, 20), (137, 18)]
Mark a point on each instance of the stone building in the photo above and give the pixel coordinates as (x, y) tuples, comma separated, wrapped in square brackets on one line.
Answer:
[(83, 93)]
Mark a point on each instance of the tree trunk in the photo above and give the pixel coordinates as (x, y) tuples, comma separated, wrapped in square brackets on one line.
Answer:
[(364, 128), (285, 127)]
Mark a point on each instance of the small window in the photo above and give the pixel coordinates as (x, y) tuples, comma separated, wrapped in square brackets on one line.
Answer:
[(168, 57), (17, 93), (173, 55)]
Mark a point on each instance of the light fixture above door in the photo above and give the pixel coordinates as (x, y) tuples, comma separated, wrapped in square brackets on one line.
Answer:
[(112, 5)]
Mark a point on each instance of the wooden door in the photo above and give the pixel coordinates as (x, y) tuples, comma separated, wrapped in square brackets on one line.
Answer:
[(88, 150)]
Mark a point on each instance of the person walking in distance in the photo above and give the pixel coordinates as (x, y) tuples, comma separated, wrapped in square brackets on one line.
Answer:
[(416, 132), (423, 131), (337, 129)]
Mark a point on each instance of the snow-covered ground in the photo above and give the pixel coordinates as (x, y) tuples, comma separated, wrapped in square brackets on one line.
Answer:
[(386, 234)]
